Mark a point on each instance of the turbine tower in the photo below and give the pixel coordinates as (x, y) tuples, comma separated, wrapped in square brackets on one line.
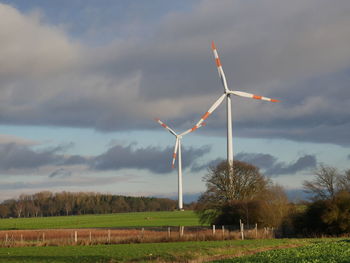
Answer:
[(227, 95), (177, 152)]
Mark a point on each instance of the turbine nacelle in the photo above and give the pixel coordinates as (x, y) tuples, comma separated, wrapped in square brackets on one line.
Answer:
[(178, 137)]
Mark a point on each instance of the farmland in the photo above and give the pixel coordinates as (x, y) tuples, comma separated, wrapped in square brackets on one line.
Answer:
[(175, 218), (150, 252), (321, 251), (186, 249)]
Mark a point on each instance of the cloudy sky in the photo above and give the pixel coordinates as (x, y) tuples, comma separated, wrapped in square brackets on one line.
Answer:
[(82, 80)]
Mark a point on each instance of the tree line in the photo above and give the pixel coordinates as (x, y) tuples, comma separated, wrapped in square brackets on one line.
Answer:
[(238, 191), (69, 203)]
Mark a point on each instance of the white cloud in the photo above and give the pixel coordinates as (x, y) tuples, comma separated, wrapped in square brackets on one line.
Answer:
[(31, 48)]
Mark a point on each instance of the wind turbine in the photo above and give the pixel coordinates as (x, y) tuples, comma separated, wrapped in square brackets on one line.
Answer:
[(177, 151), (227, 95)]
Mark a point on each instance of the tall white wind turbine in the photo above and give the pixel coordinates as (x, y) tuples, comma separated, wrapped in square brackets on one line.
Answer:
[(177, 152), (227, 95)]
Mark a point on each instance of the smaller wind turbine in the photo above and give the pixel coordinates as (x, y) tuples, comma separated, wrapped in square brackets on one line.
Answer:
[(177, 152)]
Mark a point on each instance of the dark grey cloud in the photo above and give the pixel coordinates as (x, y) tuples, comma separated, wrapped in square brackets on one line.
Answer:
[(23, 157), (14, 156), (62, 182), (349, 156), (303, 163), (61, 172), (273, 48), (273, 167), (153, 159), (261, 160), (199, 167), (268, 163)]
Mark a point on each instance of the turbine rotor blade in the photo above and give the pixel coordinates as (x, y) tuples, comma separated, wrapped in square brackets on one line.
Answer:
[(191, 130), (166, 127), (219, 66), (251, 96), (210, 111), (175, 152)]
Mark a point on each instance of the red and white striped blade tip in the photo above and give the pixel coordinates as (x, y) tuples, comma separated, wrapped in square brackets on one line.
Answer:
[(213, 45), (258, 97)]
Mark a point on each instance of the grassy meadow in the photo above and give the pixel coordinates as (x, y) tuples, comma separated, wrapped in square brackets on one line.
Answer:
[(174, 218), (145, 252)]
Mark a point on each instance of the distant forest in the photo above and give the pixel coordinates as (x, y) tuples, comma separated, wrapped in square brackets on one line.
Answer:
[(69, 203)]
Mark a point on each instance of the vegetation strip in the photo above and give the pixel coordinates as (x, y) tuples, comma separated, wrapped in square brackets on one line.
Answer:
[(319, 251), (150, 252), (249, 252)]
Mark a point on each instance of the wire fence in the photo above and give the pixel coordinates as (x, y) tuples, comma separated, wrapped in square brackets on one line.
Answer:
[(57, 237)]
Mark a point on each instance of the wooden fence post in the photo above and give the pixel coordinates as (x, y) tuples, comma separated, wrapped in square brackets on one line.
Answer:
[(21, 238), (273, 232), (256, 230), (168, 231), (242, 231), (223, 231), (142, 232), (213, 230), (181, 229), (43, 236), (90, 237), (75, 236), (6, 238), (109, 236)]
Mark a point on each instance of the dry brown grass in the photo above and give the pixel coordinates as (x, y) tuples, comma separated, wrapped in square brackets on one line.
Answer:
[(62, 237)]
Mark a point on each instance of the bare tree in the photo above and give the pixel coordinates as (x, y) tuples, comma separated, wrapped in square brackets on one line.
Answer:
[(325, 185), (238, 181), (344, 181), (19, 207), (275, 206), (4, 211), (227, 184)]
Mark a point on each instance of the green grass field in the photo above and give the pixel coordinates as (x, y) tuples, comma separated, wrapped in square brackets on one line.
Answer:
[(335, 251), (146, 252), (175, 218)]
